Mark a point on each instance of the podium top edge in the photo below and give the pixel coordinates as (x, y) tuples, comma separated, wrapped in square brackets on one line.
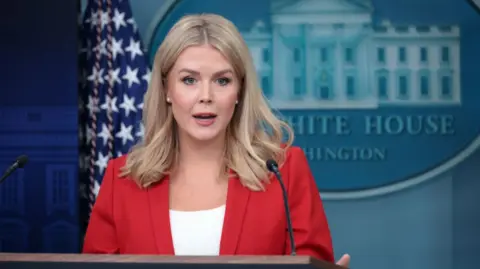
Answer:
[(109, 258)]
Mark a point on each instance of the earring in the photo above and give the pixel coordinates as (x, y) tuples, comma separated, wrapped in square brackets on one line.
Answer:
[(236, 102), (168, 99)]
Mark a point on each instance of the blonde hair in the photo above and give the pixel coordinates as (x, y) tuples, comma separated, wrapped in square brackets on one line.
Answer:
[(254, 134)]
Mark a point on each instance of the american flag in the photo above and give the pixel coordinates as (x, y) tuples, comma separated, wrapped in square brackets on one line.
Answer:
[(114, 77)]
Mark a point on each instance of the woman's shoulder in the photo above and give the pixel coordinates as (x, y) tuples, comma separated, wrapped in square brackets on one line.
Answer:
[(113, 171), (296, 170), (294, 158), (115, 164), (113, 174), (293, 153)]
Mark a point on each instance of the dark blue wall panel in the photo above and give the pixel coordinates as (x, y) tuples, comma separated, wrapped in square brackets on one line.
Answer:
[(38, 117)]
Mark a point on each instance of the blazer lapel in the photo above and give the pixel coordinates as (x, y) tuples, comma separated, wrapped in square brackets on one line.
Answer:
[(160, 213), (237, 200)]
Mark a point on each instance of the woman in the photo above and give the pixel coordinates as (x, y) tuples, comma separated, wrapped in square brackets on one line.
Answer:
[(198, 183)]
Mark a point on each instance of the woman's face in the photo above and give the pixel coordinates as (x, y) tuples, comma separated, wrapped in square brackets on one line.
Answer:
[(202, 89)]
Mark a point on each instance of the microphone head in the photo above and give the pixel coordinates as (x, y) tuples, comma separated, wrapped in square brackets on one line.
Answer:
[(22, 160), (272, 165)]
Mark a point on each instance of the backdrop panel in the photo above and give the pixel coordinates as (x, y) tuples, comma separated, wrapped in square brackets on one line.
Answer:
[(38, 117)]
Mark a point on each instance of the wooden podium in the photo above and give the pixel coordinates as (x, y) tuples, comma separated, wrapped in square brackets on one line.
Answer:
[(88, 261)]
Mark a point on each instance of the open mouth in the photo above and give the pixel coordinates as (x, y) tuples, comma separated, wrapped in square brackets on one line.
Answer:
[(204, 116)]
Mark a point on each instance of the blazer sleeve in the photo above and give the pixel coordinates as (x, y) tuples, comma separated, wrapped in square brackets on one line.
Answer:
[(100, 237), (311, 232)]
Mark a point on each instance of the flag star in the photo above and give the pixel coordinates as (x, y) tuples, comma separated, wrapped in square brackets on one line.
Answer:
[(104, 134), (101, 48), (141, 131), (96, 188), (96, 75), (140, 106), (92, 105), (93, 19), (104, 19), (81, 134), (117, 47), (134, 48), (125, 133), (147, 76), (88, 134), (115, 77), (128, 104), (101, 162), (119, 154), (119, 19), (133, 23), (110, 104), (131, 76)]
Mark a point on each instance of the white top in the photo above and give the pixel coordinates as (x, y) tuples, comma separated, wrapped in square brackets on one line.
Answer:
[(197, 233)]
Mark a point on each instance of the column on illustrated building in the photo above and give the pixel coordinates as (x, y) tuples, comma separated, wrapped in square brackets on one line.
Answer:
[(309, 64), (339, 89), (280, 84)]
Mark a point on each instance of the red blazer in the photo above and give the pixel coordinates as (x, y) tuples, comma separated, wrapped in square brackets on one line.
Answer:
[(129, 220)]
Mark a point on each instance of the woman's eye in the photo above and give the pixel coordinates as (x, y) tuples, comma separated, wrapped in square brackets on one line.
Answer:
[(223, 81), (188, 80)]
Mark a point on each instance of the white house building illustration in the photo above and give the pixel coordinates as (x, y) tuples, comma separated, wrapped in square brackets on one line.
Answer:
[(321, 54)]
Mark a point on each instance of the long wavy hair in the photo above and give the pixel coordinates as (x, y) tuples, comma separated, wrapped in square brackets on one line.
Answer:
[(254, 134)]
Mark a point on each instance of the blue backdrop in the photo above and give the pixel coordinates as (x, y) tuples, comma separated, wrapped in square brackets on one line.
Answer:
[(418, 206), (38, 117)]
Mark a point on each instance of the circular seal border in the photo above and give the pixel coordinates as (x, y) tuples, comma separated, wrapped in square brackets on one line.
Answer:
[(159, 16), (409, 182), (357, 194)]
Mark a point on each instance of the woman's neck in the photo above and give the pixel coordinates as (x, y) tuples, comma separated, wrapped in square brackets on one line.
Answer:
[(201, 157)]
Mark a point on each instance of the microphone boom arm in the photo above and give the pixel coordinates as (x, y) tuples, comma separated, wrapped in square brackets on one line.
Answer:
[(273, 167)]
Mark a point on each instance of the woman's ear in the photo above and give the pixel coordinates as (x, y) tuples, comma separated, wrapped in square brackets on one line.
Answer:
[(165, 88)]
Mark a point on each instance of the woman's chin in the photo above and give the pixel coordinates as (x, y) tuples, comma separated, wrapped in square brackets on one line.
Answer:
[(204, 135)]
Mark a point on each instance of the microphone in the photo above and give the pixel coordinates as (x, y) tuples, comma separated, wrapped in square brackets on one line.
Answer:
[(272, 166), (19, 163)]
